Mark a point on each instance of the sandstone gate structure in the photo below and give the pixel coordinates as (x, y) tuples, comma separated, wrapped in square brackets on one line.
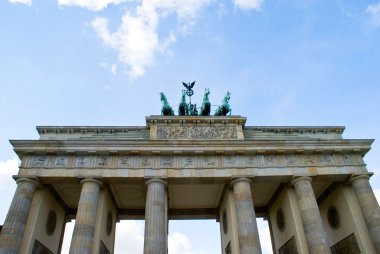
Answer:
[(308, 182)]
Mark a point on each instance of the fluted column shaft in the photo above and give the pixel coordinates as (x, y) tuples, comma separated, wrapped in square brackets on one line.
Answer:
[(369, 206), (248, 234), (17, 217), (84, 229), (156, 231), (311, 218)]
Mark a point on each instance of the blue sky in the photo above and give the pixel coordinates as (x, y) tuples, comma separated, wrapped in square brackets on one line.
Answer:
[(104, 62)]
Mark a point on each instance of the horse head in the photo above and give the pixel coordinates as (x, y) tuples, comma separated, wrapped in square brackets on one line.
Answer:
[(227, 97), (163, 97), (207, 92)]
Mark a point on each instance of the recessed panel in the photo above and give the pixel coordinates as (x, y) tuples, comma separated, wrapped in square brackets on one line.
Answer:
[(129, 195), (194, 195)]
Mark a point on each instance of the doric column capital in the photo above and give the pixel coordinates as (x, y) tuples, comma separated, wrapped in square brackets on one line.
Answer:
[(159, 180), (92, 180), (296, 179), (355, 177), (26, 179), (240, 179)]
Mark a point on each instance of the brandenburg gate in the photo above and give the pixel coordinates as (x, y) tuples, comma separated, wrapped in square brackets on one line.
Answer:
[(308, 182)]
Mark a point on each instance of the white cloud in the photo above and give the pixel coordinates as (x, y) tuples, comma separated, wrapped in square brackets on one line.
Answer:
[(26, 2), (136, 40), (374, 11), (92, 5), (134, 232), (264, 234), (69, 229), (248, 4), (179, 243), (111, 67), (7, 185), (377, 195)]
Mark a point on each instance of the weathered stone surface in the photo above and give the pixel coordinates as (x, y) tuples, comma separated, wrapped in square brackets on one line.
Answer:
[(248, 234), (311, 218), (369, 206), (156, 231), (14, 225), (84, 229)]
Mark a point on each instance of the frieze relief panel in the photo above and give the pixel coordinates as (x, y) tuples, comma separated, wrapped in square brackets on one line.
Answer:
[(192, 162), (210, 162), (61, 161), (196, 132)]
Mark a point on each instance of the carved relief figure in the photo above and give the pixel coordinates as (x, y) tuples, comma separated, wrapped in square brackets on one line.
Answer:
[(229, 161), (125, 161), (347, 158), (326, 159), (146, 162), (188, 162), (209, 161), (61, 161), (196, 132), (102, 161), (39, 161), (291, 160), (83, 161), (166, 161), (309, 159), (270, 160)]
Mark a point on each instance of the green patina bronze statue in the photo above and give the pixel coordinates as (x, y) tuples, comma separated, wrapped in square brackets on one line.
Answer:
[(188, 109), (191, 108), (224, 109), (206, 105), (183, 109), (166, 109)]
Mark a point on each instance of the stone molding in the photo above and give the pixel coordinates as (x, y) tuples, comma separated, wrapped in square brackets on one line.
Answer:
[(190, 162)]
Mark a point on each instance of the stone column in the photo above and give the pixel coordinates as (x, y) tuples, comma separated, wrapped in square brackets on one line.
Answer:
[(311, 218), (368, 205), (85, 220), (156, 231), (248, 234), (17, 217)]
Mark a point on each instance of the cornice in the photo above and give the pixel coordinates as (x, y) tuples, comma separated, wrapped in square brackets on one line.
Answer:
[(23, 147)]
